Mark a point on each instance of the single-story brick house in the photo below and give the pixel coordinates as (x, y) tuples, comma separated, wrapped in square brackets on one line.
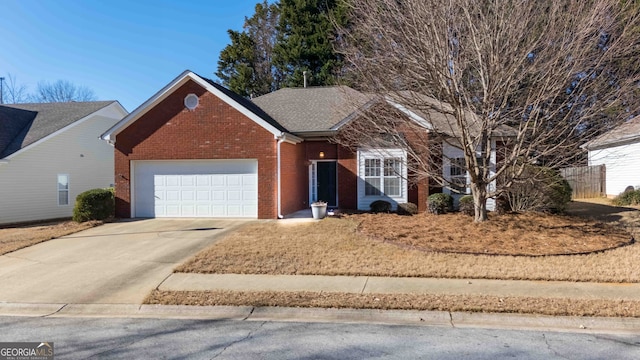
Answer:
[(196, 149), (619, 151)]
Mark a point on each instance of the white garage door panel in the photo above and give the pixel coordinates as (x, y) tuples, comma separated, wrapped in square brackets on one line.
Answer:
[(196, 188)]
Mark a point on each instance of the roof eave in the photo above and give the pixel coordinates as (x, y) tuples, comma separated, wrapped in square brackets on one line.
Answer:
[(110, 135), (316, 134), (290, 138), (596, 145)]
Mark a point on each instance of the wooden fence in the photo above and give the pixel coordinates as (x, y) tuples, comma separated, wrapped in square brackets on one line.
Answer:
[(586, 181)]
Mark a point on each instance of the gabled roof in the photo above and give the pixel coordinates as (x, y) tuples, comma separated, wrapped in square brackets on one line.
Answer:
[(244, 106), (24, 124), (625, 133), (312, 109)]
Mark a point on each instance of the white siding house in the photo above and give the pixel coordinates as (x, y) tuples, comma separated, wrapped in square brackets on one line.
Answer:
[(50, 153), (619, 151)]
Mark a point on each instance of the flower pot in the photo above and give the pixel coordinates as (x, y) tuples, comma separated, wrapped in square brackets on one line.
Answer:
[(319, 210)]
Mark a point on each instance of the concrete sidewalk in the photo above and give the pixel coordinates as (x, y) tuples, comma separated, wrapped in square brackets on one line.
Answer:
[(389, 285)]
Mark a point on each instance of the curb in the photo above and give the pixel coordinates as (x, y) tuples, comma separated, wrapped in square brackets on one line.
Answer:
[(588, 325)]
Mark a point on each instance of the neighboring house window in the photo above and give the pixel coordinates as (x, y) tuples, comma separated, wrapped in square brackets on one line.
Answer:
[(382, 176), (458, 176), (63, 189)]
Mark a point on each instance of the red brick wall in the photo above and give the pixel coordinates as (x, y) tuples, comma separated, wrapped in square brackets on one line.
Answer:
[(347, 178), (418, 187), (214, 130), (294, 177)]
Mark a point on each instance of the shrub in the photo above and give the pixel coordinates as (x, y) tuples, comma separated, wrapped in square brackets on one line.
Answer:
[(407, 209), (502, 205), (467, 206), (627, 198), (94, 204), (440, 203), (539, 189), (380, 206)]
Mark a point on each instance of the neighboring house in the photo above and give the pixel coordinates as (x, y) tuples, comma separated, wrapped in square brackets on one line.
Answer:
[(619, 151), (51, 152), (196, 149)]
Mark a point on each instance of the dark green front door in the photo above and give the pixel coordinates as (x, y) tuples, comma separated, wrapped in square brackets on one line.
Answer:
[(327, 182)]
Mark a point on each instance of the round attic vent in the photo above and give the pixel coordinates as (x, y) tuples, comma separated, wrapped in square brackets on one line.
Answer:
[(191, 101)]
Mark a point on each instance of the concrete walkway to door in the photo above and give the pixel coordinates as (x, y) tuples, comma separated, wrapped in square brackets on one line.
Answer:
[(116, 263)]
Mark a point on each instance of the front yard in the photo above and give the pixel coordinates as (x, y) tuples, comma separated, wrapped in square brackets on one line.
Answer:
[(450, 246)]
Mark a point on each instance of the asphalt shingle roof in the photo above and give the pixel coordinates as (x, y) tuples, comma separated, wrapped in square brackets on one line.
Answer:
[(439, 115), (247, 104), (629, 131), (23, 124), (311, 109)]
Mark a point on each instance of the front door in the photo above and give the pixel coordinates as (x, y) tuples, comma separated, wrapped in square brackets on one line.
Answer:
[(326, 182)]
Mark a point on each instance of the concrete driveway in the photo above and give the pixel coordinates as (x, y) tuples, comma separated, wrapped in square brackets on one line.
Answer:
[(117, 263)]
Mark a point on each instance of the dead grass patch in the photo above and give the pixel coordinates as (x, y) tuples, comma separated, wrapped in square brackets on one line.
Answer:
[(334, 247), (18, 237), (525, 305)]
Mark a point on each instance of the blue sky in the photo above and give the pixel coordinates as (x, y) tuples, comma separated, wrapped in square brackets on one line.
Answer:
[(122, 50)]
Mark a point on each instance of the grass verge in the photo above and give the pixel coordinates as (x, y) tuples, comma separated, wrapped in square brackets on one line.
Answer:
[(523, 305)]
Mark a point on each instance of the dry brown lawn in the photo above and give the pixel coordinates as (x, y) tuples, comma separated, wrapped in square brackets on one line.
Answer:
[(21, 236), (334, 246), (440, 302)]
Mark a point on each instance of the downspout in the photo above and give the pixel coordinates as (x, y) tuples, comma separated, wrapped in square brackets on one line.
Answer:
[(280, 141)]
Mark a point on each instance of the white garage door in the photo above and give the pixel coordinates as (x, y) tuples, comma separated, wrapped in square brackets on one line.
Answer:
[(185, 188)]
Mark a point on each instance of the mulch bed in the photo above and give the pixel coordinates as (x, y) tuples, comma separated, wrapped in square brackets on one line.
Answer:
[(529, 234)]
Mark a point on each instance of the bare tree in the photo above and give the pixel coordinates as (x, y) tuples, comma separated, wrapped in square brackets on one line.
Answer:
[(534, 79), (12, 92), (62, 91)]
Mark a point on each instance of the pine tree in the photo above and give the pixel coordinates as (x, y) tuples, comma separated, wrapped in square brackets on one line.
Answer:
[(305, 41), (245, 66)]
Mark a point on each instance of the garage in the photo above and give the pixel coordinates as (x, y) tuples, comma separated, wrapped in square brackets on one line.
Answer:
[(195, 188)]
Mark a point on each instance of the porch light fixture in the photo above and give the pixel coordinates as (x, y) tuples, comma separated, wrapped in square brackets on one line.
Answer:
[(321, 155)]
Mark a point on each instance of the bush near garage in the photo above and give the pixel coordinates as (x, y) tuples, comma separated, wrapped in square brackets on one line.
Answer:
[(94, 204)]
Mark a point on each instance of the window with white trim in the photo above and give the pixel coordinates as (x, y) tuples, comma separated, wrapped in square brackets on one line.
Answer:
[(63, 189), (458, 175), (383, 176)]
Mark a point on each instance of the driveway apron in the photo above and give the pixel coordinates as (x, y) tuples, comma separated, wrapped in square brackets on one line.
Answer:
[(116, 263)]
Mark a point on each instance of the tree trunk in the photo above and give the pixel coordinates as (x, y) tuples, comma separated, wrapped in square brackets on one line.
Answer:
[(479, 202)]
